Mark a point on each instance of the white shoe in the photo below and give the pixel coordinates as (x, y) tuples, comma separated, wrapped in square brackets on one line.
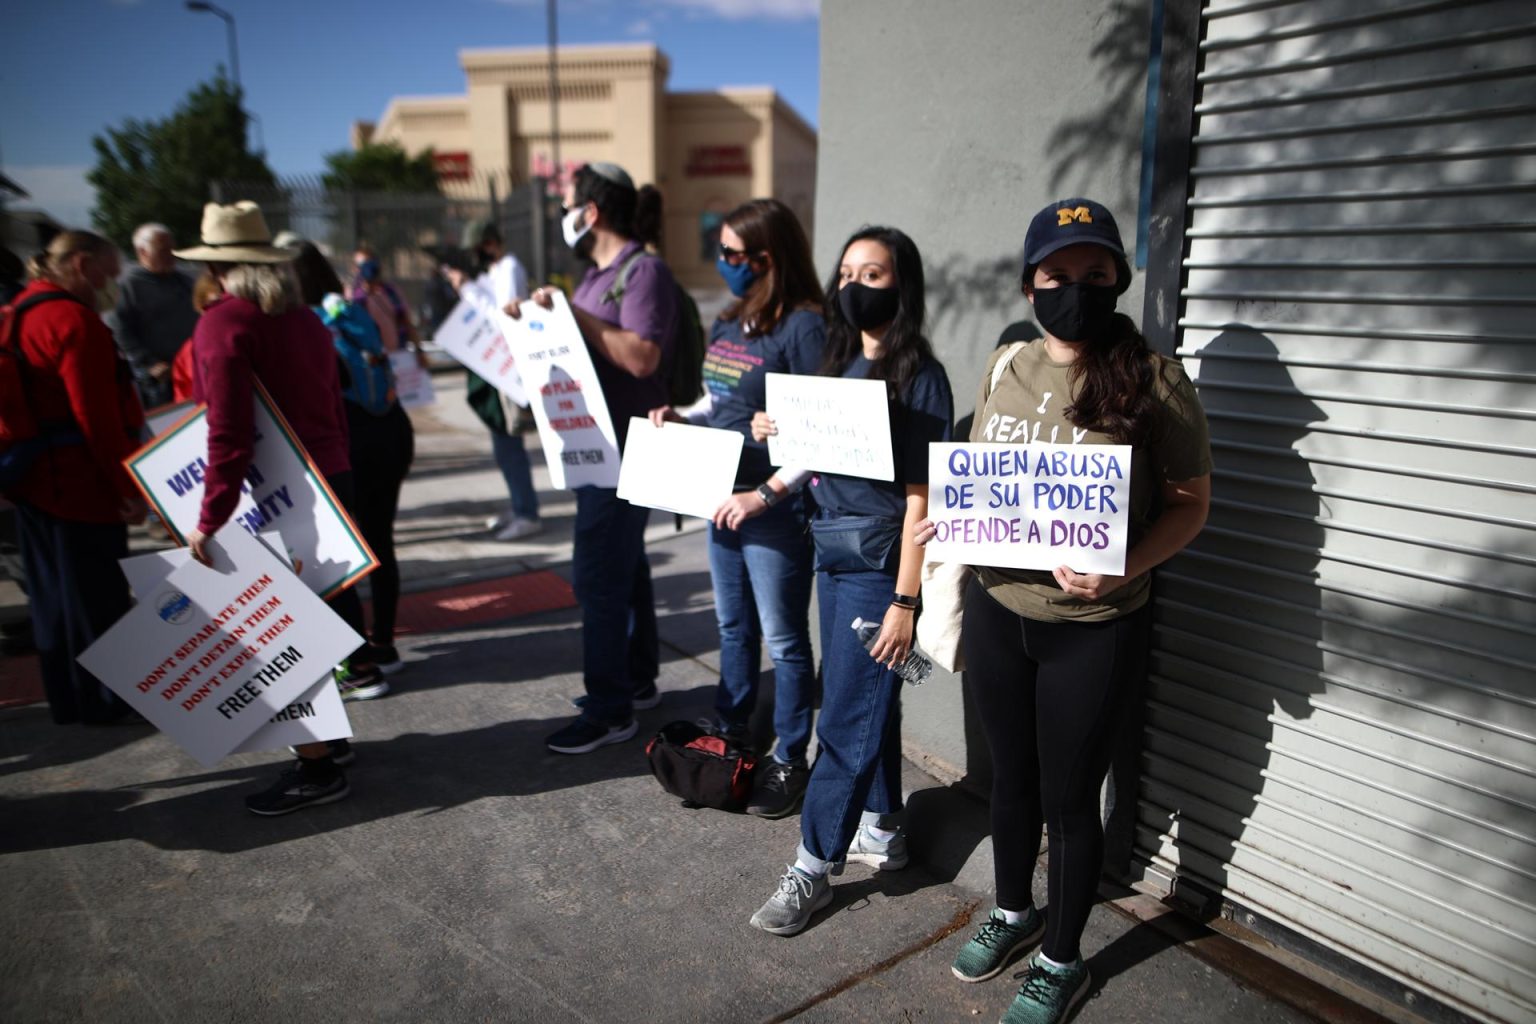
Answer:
[(518, 528), (889, 855), (499, 520)]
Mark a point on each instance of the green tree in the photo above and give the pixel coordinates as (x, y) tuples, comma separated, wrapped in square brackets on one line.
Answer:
[(163, 170), (381, 167)]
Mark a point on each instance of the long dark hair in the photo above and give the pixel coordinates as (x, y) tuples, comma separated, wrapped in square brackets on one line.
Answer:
[(317, 278), (906, 347), (634, 213), (768, 226), (1114, 380)]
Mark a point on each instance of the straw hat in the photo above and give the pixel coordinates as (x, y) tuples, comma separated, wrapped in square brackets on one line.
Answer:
[(236, 233)]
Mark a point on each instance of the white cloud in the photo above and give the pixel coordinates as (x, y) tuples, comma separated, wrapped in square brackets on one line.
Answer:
[(60, 190), (739, 10), (641, 28)]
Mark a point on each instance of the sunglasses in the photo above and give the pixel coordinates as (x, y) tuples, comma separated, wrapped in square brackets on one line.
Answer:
[(735, 257)]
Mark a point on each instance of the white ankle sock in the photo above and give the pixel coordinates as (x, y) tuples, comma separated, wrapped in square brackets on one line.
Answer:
[(805, 869), (1013, 916), (1052, 963), (884, 835)]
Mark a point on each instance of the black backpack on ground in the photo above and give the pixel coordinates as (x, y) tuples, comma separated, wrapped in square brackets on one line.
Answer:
[(701, 769)]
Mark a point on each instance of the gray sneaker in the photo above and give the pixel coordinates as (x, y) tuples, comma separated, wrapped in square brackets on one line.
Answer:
[(887, 855), (789, 909), (995, 943)]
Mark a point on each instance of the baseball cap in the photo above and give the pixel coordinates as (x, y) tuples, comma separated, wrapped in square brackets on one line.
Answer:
[(1073, 222)]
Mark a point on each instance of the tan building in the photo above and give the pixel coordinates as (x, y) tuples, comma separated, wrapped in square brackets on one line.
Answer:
[(706, 151)]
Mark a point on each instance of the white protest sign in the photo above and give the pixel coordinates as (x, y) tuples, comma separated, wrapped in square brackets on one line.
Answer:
[(1034, 506), (678, 467), (211, 654), (481, 343), (282, 488), (147, 571), (413, 384), (314, 716), (163, 418), (580, 445), (831, 424)]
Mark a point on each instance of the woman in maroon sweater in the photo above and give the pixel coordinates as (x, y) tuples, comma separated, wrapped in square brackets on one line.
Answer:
[(75, 500), (260, 330)]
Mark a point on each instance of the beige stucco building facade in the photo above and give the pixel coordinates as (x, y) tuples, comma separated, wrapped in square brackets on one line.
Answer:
[(706, 151)]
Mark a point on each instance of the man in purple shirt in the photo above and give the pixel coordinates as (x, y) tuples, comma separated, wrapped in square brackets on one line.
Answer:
[(627, 309)]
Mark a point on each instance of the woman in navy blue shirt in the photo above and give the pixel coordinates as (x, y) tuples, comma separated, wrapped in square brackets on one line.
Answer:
[(759, 557), (868, 567)]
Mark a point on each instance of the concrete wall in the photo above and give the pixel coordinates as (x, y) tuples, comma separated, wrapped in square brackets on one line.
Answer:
[(955, 123)]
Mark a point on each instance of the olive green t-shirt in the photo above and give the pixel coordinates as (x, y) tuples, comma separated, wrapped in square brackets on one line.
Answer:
[(1028, 405)]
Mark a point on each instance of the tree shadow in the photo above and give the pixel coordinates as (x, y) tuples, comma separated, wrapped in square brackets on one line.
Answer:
[(412, 774)]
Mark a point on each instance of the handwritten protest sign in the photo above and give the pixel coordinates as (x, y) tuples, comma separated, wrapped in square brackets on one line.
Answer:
[(413, 384), (211, 654), (576, 432), (649, 474), (282, 487), (831, 424), (1032, 506), (481, 343)]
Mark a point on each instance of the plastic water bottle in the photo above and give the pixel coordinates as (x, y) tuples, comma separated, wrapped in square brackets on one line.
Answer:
[(914, 670)]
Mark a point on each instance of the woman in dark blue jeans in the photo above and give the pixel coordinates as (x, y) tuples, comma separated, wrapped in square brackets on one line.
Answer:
[(759, 557), (868, 567)]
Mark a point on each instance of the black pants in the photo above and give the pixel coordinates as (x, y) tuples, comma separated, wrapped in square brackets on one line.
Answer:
[(77, 593), (1052, 697), (382, 449)]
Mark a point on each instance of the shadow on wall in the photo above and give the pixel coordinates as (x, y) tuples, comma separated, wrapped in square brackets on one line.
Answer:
[(1077, 146), (1262, 669)]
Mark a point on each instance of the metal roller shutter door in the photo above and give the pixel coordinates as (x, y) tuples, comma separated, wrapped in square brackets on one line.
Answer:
[(1341, 718)]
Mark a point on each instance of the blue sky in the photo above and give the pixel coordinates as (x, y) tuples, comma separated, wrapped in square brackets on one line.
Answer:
[(70, 68)]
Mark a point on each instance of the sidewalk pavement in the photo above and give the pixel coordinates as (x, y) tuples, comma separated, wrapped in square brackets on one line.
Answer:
[(472, 875)]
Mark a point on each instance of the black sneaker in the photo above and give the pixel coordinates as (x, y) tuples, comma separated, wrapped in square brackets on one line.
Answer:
[(584, 736), (385, 657), (298, 787), (778, 790)]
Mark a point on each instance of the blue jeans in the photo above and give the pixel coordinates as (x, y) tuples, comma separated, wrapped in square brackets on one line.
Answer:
[(612, 580), (858, 769), (512, 460), (762, 577)]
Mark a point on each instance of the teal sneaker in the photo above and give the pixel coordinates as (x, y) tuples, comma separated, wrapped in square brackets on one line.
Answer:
[(1049, 993), (995, 944)]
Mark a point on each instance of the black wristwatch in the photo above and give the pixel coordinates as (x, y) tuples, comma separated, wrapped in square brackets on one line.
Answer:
[(768, 494)]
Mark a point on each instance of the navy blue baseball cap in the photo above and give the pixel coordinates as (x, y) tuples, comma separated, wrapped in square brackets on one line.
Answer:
[(1074, 222)]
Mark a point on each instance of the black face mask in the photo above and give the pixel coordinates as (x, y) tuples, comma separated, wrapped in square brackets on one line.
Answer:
[(1076, 312), (867, 308)]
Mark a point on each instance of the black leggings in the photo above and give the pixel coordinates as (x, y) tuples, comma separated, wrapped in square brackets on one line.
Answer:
[(382, 449), (1052, 697)]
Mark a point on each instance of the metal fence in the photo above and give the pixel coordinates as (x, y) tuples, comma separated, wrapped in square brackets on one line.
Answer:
[(406, 230)]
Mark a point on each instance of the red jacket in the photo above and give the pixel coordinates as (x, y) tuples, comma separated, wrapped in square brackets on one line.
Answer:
[(236, 344), (74, 373)]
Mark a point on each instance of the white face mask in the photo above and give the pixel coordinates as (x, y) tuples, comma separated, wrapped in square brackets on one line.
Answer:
[(573, 234)]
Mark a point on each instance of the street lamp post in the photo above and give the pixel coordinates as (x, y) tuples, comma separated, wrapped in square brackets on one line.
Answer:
[(229, 24)]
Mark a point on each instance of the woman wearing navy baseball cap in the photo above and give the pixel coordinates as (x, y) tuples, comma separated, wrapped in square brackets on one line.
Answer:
[(1054, 659)]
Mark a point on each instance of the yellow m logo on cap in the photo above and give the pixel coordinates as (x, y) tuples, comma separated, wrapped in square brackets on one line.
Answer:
[(1080, 214)]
